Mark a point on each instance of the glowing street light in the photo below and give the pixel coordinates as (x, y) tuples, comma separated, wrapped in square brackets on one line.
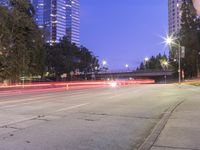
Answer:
[(104, 65), (146, 59), (127, 67), (96, 68), (165, 66), (170, 40), (104, 62), (165, 63)]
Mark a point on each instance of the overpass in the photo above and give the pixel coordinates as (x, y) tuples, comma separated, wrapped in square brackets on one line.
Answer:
[(146, 74)]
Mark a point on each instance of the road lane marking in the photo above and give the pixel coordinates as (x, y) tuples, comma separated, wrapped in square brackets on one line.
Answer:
[(33, 100), (10, 106), (42, 97), (27, 103), (71, 107), (24, 100), (55, 92), (83, 94), (72, 94)]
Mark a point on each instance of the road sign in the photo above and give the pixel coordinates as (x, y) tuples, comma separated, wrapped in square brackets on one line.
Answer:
[(182, 52)]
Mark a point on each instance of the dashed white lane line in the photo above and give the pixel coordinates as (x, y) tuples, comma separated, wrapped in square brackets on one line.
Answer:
[(14, 103), (38, 98), (71, 107)]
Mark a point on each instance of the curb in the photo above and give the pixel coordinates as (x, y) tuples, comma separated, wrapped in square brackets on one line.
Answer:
[(151, 139)]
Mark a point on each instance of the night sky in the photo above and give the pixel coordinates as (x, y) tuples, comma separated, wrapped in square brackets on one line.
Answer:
[(124, 31)]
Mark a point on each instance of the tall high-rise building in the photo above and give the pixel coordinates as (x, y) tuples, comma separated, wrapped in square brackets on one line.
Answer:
[(174, 16), (39, 15), (73, 20), (58, 18), (4, 3)]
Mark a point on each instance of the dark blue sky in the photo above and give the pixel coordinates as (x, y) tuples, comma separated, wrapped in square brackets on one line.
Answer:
[(124, 31)]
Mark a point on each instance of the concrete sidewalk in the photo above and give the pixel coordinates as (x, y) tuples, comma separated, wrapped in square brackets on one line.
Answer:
[(182, 131)]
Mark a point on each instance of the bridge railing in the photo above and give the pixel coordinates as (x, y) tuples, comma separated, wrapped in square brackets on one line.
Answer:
[(134, 72)]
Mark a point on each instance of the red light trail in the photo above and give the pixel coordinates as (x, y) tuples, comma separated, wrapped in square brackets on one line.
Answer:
[(62, 86)]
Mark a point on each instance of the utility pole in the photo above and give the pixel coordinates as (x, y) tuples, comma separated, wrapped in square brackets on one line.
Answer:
[(179, 63), (198, 74)]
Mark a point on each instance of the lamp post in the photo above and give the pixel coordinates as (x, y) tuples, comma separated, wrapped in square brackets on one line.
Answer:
[(169, 40), (198, 75), (104, 62), (127, 67), (179, 62), (104, 65), (146, 59), (165, 66)]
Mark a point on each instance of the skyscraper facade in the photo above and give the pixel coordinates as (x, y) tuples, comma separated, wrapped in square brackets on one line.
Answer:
[(73, 20), (39, 17), (4, 3), (58, 18), (174, 16)]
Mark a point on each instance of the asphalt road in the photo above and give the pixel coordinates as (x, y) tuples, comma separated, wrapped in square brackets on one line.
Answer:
[(96, 119)]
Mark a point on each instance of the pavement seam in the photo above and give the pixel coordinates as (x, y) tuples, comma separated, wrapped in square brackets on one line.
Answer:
[(125, 116), (152, 138), (171, 147), (10, 125)]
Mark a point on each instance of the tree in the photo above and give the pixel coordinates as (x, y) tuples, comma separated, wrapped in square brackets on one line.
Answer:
[(56, 59), (4, 39), (142, 67), (154, 63), (189, 38), (23, 52), (23, 55), (88, 60), (64, 58)]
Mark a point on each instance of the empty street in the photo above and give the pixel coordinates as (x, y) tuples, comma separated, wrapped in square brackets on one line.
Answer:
[(92, 119)]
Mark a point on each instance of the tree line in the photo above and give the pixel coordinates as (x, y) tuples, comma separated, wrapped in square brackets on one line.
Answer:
[(189, 38), (158, 62), (23, 52)]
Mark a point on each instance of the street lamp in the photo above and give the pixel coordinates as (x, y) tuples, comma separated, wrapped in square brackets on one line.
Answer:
[(146, 59), (96, 68), (165, 66), (104, 65), (165, 63), (104, 62), (198, 75), (169, 40), (127, 66)]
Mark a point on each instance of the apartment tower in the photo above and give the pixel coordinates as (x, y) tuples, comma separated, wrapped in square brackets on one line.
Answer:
[(174, 16), (58, 18)]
